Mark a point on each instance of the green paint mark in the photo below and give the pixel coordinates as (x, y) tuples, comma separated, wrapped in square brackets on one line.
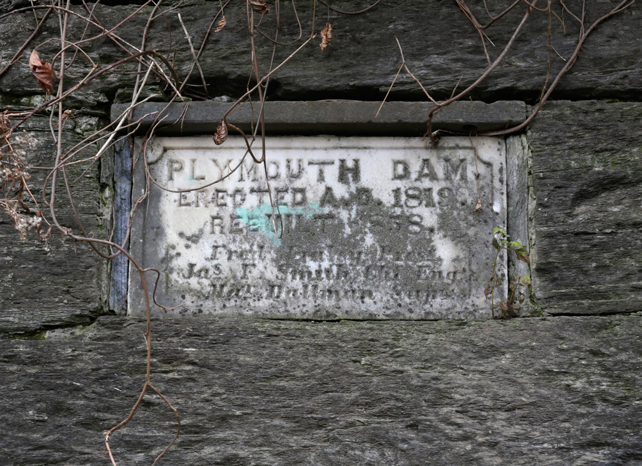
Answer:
[(260, 218)]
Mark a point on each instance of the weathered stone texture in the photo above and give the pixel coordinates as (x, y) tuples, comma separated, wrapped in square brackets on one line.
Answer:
[(53, 283), (440, 46), (351, 118), (587, 179), (554, 391), (386, 228)]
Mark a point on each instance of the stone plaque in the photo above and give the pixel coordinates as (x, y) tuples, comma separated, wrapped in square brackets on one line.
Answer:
[(329, 228)]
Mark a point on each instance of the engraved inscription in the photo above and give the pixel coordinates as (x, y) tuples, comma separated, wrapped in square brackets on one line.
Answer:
[(328, 227)]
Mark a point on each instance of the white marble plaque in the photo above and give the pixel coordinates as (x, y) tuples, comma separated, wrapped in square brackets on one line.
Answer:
[(329, 228)]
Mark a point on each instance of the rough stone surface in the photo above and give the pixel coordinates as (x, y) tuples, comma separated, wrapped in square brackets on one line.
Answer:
[(587, 230), (53, 283), (352, 118), (520, 213), (439, 44), (554, 391), (539, 391)]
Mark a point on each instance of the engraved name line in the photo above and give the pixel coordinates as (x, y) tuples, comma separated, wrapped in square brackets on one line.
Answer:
[(317, 292), (410, 197), (344, 171)]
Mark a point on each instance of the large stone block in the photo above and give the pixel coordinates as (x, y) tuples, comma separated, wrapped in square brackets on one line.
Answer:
[(440, 46), (587, 232), (54, 283), (249, 391)]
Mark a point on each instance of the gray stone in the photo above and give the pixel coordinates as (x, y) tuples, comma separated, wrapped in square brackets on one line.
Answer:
[(519, 214), (587, 221), (351, 118), (440, 47), (53, 283), (328, 228), (555, 391)]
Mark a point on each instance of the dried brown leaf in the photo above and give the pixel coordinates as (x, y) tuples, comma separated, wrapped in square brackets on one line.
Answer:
[(259, 6), (326, 36), (66, 115), (221, 134), (43, 72), (478, 207), (5, 125), (221, 24)]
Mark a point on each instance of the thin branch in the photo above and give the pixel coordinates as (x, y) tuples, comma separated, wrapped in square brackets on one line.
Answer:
[(569, 64), (16, 56), (198, 65), (349, 12)]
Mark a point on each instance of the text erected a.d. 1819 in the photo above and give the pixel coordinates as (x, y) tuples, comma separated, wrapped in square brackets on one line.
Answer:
[(366, 228)]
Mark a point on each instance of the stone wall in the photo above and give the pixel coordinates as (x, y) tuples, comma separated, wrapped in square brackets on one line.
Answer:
[(557, 390), (554, 390), (585, 177)]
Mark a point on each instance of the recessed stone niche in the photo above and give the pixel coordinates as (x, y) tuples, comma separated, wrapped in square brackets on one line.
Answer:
[(330, 228)]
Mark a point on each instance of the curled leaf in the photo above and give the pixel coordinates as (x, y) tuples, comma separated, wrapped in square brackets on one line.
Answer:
[(522, 255), (516, 245), (221, 134), (478, 207), (42, 71), (221, 24), (259, 6), (66, 115), (5, 125), (326, 36)]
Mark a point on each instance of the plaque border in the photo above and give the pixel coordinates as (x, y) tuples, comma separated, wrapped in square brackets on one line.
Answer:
[(341, 118)]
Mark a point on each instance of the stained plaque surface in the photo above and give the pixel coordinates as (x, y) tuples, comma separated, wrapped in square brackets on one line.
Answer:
[(329, 228)]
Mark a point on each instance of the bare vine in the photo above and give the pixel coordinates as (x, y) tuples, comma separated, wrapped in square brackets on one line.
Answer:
[(80, 27), (530, 8), (23, 205)]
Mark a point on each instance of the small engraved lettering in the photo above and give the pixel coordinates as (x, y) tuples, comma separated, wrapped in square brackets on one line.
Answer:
[(346, 172), (321, 164), (273, 172), (173, 167), (262, 194), (451, 171), (183, 201), (225, 170), (201, 200), (280, 193), (446, 197), (364, 196), (248, 171), (195, 177), (236, 227), (427, 171), (218, 198), (400, 170), (299, 197), (216, 225), (328, 198), (290, 174)]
